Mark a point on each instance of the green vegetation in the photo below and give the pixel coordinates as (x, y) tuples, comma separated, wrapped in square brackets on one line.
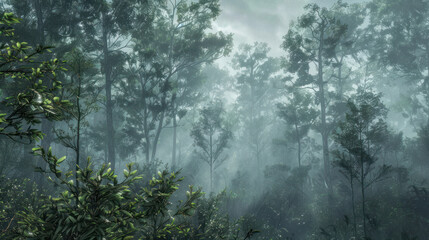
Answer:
[(169, 131)]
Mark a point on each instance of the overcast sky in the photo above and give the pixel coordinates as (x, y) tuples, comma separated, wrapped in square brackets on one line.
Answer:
[(262, 20)]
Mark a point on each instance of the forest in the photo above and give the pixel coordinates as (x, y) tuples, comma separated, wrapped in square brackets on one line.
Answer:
[(214, 119)]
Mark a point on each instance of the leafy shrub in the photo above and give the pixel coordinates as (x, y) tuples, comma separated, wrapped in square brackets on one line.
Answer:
[(101, 207)]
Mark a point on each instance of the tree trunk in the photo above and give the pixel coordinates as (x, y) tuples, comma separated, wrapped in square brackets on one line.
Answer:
[(161, 119), (211, 178), (299, 145), (362, 181), (353, 205), (173, 158), (211, 161), (40, 23), (26, 164), (79, 116), (109, 104), (158, 133), (324, 130), (47, 125), (340, 78), (363, 203), (145, 121)]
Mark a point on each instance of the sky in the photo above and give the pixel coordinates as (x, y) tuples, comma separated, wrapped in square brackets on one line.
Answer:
[(262, 20)]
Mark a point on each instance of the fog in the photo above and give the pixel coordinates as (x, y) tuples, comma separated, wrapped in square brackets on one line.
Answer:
[(214, 119)]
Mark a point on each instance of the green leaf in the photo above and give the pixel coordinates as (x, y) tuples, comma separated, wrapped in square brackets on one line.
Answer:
[(61, 160)]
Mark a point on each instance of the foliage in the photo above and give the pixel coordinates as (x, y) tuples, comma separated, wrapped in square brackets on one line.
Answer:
[(256, 73), (159, 222), (211, 137), (290, 218), (101, 206), (298, 115), (212, 222), (152, 65), (314, 40), (162, 74), (360, 136), (15, 195), (29, 84)]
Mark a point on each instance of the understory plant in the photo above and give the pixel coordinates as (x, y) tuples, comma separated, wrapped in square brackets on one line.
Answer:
[(103, 207)]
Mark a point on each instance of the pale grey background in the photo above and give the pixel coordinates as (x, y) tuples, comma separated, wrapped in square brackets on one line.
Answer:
[(262, 20)]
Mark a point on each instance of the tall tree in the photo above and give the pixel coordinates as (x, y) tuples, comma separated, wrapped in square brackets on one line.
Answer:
[(29, 85), (211, 137), (346, 53), (178, 41), (310, 43), (256, 71), (398, 37), (360, 136), (107, 26), (185, 96), (46, 23), (299, 115), (83, 96), (29, 88)]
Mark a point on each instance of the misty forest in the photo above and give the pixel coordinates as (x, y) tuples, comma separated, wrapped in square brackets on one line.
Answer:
[(214, 119)]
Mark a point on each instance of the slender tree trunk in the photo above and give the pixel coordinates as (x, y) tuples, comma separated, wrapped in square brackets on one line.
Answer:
[(79, 118), (158, 133), (254, 136), (160, 123), (353, 204), (145, 122), (40, 23), (47, 125), (211, 161), (173, 158), (340, 78), (258, 154), (362, 181), (324, 130), (27, 162), (299, 144), (179, 157), (363, 203), (109, 104), (211, 178), (161, 119), (426, 81)]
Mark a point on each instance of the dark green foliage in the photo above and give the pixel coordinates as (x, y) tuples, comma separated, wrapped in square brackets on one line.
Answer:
[(102, 206), (29, 85), (313, 41), (15, 195), (143, 82), (168, 53), (360, 136), (286, 219), (417, 203), (159, 220), (213, 222)]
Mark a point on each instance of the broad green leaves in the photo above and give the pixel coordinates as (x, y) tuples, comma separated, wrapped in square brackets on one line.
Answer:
[(29, 85), (101, 206)]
